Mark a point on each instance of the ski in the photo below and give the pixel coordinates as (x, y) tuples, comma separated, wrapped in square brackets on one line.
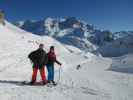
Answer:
[(34, 84)]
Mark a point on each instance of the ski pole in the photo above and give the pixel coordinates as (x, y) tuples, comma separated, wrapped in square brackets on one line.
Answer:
[(59, 78)]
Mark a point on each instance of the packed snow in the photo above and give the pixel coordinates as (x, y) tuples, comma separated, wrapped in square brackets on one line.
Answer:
[(92, 80)]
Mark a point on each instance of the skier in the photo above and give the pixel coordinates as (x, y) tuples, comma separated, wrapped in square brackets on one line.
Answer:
[(39, 60), (50, 65)]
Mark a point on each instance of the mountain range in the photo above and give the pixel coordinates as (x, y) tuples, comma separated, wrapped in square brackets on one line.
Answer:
[(86, 37)]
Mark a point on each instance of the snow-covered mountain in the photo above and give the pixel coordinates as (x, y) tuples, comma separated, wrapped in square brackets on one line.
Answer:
[(86, 37), (118, 47), (70, 31), (92, 80), (122, 34), (123, 64)]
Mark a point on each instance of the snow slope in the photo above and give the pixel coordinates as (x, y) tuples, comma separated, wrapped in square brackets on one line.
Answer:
[(16, 44), (91, 81), (123, 64)]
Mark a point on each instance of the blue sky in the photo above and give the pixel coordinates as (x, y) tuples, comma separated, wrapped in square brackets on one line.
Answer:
[(115, 15)]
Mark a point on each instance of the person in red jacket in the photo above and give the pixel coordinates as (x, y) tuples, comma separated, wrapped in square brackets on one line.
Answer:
[(50, 65)]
